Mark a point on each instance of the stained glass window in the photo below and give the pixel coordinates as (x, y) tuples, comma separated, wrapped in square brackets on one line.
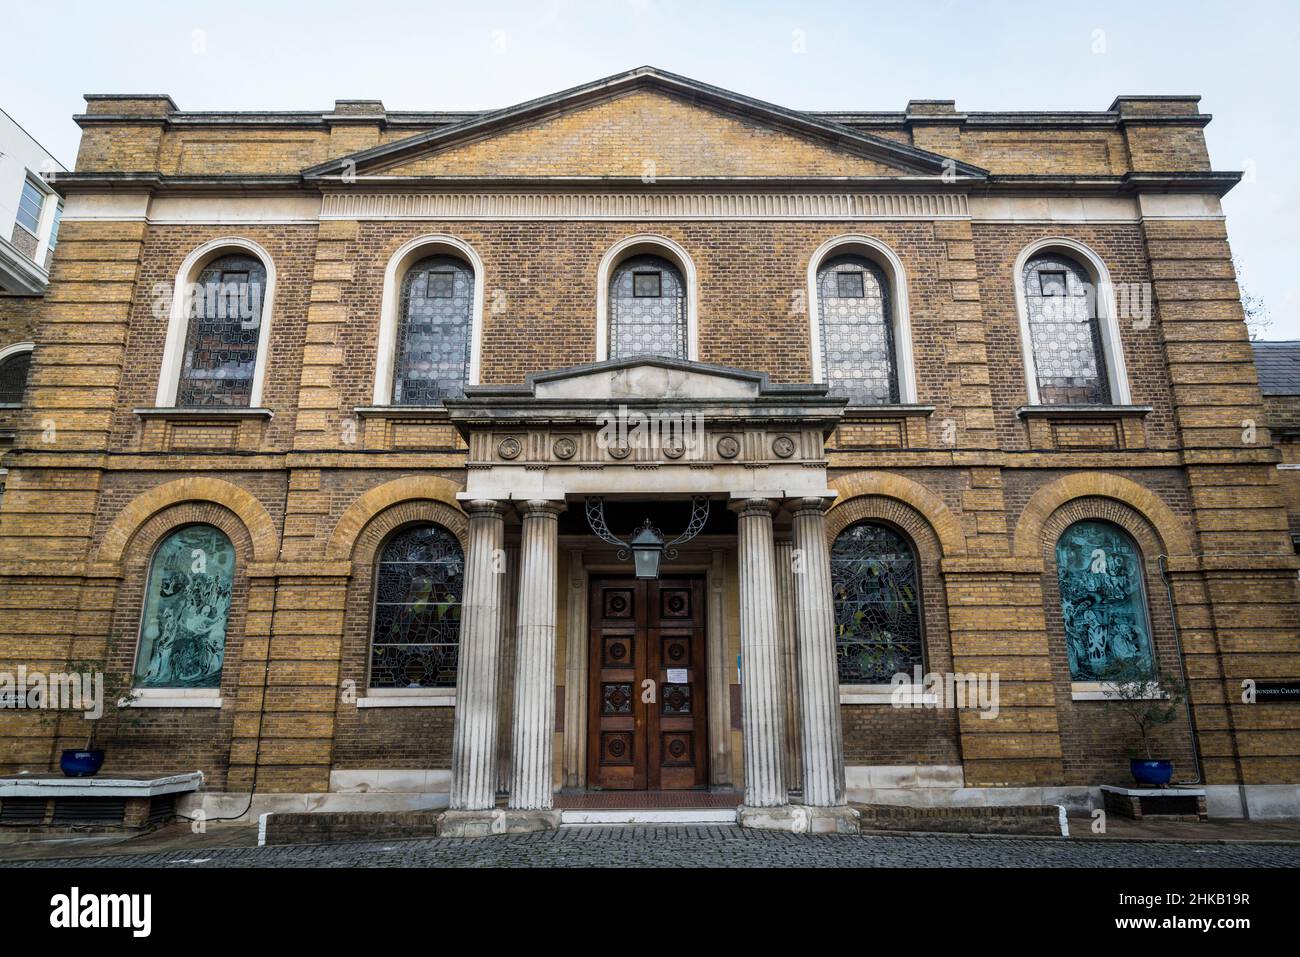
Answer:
[(857, 333), (1103, 604), (1069, 361), (433, 333), (225, 324), (13, 377), (647, 309), (186, 607), (877, 604), (418, 588)]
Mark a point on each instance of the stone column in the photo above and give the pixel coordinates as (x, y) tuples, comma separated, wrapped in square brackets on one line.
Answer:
[(532, 762), (819, 692), (474, 741), (762, 704), (787, 633), (506, 665)]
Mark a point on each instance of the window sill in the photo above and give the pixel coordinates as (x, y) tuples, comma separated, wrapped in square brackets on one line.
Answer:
[(893, 411), (402, 411), (171, 698), (197, 414), (884, 694), (1099, 691), (413, 698), (1083, 411)]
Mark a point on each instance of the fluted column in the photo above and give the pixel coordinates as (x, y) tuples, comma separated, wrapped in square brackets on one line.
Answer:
[(819, 693), (506, 664), (787, 634), (762, 707), (474, 740), (532, 759)]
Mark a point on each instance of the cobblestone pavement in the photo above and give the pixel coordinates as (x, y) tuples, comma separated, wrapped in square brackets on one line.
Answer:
[(721, 846)]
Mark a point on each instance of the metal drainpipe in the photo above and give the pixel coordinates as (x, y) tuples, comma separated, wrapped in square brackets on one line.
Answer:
[(1182, 667)]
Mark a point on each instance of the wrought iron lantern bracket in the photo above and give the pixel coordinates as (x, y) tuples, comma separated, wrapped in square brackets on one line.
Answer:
[(595, 505)]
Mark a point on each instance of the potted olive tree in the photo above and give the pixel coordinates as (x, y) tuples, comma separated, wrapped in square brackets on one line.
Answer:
[(1149, 699)]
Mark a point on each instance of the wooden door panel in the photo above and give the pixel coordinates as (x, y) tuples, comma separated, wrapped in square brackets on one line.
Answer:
[(647, 630)]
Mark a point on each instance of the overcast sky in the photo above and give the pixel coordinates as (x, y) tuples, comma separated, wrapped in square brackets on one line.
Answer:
[(1242, 57)]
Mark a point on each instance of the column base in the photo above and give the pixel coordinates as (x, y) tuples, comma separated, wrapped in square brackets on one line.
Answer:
[(800, 819), (495, 821)]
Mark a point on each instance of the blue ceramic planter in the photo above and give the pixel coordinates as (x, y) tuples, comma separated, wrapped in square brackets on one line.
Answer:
[(1151, 773), (77, 763)]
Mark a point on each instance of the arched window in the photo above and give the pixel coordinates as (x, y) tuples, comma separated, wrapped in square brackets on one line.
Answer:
[(433, 332), (186, 608), (855, 322), (647, 309), (222, 333), (13, 375), (1064, 331), (419, 583), (877, 604), (1103, 603)]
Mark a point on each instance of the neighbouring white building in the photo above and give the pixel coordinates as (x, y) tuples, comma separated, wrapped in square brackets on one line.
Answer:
[(30, 210)]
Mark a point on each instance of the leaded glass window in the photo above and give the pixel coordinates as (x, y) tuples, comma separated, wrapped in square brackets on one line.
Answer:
[(857, 332), (647, 309), (13, 377), (1069, 360), (225, 324), (186, 609), (877, 604), (418, 590), (1103, 604), (433, 333)]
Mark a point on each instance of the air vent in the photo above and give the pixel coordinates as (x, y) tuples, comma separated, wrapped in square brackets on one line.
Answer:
[(22, 811), (162, 809), (89, 811)]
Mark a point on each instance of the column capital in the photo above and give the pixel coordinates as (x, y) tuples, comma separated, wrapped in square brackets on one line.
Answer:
[(484, 507), (541, 508), (757, 505), (809, 503)]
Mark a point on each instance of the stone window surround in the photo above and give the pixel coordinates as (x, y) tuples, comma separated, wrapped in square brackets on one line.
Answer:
[(406, 256), (654, 245), (884, 257), (1107, 316), (178, 320)]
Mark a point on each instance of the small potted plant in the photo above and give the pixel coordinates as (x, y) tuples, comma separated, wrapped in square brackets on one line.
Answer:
[(117, 695), (1148, 698)]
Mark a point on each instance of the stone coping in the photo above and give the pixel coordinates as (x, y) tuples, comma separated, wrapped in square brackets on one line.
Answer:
[(1172, 791), (118, 785)]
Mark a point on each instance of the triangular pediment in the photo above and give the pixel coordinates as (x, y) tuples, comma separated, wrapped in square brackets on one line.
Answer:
[(645, 378), (648, 126)]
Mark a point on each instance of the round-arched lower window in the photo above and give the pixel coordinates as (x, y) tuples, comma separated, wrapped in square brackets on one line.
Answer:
[(877, 604), (419, 586)]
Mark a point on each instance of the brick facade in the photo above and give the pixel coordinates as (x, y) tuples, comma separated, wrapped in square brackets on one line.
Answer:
[(307, 494)]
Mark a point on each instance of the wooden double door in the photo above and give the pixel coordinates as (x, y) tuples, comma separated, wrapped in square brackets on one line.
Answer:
[(647, 716)]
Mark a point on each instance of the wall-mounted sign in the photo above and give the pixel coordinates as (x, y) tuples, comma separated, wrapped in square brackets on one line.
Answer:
[(1274, 692)]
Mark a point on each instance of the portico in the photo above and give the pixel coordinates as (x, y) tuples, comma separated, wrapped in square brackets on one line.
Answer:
[(648, 433)]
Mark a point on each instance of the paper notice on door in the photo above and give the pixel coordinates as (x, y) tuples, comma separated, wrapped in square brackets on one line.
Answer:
[(677, 675)]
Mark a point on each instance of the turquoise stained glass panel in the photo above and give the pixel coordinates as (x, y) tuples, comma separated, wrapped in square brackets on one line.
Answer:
[(186, 607), (1102, 600)]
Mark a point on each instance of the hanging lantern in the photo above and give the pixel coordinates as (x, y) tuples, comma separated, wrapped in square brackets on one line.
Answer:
[(647, 550), (647, 547)]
